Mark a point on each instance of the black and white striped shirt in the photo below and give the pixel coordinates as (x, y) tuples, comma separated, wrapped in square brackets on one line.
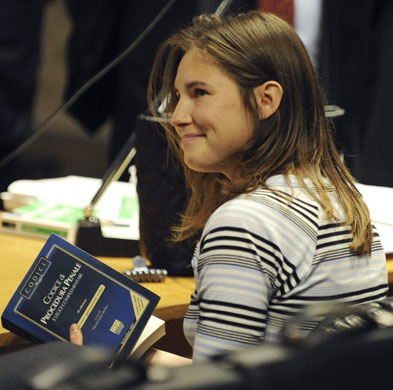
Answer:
[(262, 258)]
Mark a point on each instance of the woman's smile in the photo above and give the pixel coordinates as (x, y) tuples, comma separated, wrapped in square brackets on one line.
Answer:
[(187, 138)]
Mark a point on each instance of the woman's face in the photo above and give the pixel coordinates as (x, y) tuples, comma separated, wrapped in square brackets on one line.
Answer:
[(209, 117)]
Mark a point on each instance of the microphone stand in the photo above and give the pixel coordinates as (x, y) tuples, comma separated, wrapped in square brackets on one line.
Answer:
[(89, 234)]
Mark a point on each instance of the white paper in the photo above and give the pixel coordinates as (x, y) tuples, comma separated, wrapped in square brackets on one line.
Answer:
[(380, 203)]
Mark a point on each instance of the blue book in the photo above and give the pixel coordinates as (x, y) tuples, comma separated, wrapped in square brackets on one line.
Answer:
[(67, 285)]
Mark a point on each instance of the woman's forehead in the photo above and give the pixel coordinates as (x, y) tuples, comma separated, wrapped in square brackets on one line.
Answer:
[(197, 66)]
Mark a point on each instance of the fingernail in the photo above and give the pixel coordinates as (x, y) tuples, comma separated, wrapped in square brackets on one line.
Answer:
[(75, 328)]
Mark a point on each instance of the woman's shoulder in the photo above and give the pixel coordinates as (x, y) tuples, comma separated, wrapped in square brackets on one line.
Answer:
[(269, 208), (278, 194)]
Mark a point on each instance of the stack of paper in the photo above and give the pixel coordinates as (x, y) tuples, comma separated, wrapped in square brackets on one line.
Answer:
[(41, 207)]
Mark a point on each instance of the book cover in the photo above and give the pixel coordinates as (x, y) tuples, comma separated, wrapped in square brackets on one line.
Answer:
[(67, 285)]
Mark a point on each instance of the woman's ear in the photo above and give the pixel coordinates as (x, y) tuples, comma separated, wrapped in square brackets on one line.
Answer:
[(268, 97)]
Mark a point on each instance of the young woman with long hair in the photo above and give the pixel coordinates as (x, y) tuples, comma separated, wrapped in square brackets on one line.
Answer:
[(280, 221)]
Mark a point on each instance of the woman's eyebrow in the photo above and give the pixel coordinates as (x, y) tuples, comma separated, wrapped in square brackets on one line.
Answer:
[(191, 84)]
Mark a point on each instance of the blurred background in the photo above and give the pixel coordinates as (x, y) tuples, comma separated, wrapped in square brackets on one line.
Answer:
[(65, 148)]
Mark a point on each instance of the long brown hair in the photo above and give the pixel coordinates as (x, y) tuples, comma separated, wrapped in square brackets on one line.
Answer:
[(253, 48)]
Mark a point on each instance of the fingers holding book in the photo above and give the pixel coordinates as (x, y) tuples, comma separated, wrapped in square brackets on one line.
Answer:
[(76, 336)]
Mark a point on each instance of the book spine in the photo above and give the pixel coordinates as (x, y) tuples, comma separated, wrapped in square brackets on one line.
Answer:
[(19, 331)]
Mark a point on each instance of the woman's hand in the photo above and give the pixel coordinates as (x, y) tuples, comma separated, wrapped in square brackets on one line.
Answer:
[(153, 357), (76, 336), (156, 357)]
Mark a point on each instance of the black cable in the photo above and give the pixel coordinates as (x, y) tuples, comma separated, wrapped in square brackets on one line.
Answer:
[(64, 107)]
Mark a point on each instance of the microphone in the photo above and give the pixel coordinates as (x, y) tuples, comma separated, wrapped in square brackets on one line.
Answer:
[(222, 8)]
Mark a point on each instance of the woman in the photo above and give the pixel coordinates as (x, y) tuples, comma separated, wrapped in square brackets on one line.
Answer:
[(281, 223)]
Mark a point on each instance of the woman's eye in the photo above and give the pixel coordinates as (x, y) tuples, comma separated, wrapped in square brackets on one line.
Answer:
[(200, 92)]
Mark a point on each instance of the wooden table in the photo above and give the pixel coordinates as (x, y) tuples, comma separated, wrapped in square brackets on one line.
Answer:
[(17, 253)]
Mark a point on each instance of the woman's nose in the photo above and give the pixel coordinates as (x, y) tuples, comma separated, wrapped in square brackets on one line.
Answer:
[(181, 116)]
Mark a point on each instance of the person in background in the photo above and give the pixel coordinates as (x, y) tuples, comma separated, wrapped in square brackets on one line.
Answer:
[(20, 56), (281, 223)]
